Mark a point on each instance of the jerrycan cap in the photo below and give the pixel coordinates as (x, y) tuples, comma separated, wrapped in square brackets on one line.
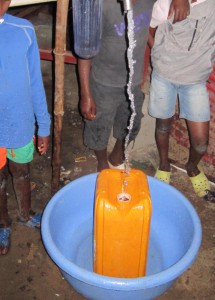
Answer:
[(123, 197)]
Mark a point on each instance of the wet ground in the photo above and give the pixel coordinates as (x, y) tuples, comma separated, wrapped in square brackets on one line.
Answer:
[(28, 273)]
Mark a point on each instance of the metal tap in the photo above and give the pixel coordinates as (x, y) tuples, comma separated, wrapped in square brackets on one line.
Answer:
[(127, 5)]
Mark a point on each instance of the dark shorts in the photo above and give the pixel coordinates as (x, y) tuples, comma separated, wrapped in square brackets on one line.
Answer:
[(112, 111)]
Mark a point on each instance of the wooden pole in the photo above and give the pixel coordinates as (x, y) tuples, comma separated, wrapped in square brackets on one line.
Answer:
[(59, 52)]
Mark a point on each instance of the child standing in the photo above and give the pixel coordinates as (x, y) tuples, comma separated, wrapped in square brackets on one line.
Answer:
[(104, 103), (22, 100), (183, 55)]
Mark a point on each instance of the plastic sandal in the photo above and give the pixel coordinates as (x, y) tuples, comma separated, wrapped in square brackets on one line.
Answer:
[(200, 167), (163, 176), (33, 222), (4, 240), (200, 184), (119, 167)]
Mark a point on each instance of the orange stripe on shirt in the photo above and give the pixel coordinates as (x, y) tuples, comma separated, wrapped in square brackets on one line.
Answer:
[(3, 157)]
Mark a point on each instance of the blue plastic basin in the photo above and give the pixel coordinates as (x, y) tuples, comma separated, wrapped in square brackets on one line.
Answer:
[(67, 233)]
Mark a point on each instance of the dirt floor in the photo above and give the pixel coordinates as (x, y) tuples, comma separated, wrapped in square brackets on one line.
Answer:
[(28, 273)]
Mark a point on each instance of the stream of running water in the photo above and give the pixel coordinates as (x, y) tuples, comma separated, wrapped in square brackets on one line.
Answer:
[(131, 62)]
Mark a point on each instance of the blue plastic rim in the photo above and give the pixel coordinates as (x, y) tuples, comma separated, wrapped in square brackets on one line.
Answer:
[(74, 203)]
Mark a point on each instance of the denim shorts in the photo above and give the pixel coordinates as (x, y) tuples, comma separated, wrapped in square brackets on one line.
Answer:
[(194, 104), (112, 111)]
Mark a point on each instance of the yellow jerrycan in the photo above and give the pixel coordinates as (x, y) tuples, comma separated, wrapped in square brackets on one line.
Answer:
[(122, 215)]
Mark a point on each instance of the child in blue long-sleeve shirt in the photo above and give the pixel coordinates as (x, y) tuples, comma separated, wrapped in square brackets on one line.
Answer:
[(22, 102)]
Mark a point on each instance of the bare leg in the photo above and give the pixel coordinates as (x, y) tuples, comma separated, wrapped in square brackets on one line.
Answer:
[(116, 157), (5, 220), (199, 138), (21, 183), (101, 156), (162, 132)]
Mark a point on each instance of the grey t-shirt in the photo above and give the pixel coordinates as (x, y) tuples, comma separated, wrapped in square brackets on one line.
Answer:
[(182, 54), (109, 67)]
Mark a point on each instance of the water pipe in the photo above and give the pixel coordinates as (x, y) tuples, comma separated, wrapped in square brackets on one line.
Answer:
[(127, 5)]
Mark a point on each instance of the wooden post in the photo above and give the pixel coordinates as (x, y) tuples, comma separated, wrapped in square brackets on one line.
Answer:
[(59, 52)]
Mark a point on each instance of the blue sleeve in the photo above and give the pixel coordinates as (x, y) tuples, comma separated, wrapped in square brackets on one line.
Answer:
[(37, 88)]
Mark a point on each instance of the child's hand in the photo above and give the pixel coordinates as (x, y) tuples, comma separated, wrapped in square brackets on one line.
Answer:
[(88, 108), (180, 9), (42, 144)]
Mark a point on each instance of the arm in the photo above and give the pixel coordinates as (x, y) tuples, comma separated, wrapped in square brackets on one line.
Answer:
[(151, 36), (87, 103), (180, 9), (38, 96)]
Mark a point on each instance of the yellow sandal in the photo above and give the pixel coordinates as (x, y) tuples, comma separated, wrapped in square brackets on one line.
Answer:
[(163, 176), (200, 184)]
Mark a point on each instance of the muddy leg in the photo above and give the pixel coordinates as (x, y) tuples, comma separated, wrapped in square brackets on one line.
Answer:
[(199, 138), (101, 156), (5, 220), (162, 132), (117, 155), (21, 183)]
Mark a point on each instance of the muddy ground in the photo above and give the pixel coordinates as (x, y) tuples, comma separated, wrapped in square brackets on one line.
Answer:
[(28, 273)]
